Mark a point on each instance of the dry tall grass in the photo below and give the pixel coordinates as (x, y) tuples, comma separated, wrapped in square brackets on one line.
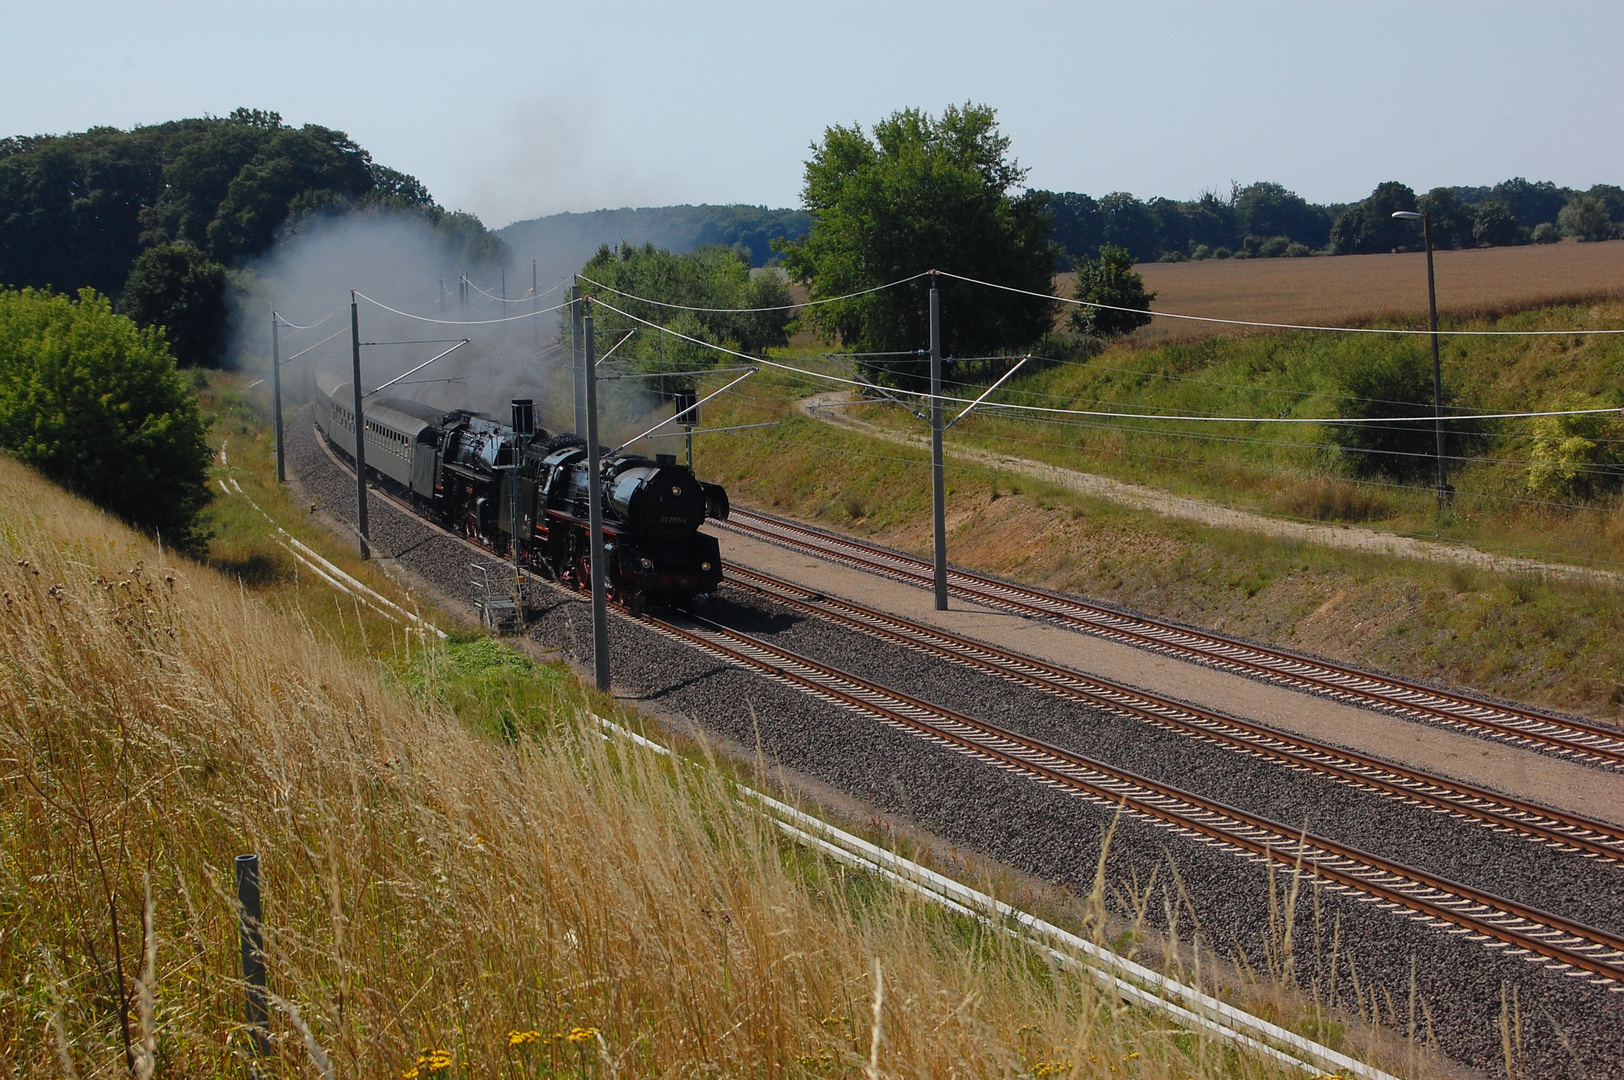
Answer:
[(436, 901)]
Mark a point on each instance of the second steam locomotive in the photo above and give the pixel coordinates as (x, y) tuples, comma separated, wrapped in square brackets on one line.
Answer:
[(524, 494)]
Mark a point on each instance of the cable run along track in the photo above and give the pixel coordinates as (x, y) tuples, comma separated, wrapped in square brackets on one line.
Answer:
[(1543, 824), (1574, 949), (1573, 739)]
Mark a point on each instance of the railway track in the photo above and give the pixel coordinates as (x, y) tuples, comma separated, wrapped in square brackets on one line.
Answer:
[(1546, 825), (1572, 948), (1572, 739)]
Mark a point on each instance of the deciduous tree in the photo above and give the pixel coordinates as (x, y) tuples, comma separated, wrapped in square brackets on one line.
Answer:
[(181, 290), (95, 403), (1110, 280), (923, 193)]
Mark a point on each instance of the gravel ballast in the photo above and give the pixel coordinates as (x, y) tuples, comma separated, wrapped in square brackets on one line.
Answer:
[(1569, 1025)]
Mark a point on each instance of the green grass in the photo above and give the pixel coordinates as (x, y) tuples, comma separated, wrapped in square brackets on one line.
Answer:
[(1293, 470), (1549, 641)]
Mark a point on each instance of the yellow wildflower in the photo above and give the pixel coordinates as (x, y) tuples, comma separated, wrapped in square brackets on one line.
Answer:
[(519, 1038), (581, 1034)]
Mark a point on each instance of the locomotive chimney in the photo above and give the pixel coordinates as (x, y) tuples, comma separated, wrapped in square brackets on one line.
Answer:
[(524, 416)]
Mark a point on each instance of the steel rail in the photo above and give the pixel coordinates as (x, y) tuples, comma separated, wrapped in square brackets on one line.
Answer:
[(1499, 923), (1517, 725), (1548, 825), (1562, 944)]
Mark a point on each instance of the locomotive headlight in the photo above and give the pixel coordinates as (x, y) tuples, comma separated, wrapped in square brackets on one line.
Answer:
[(648, 563), (705, 565), (675, 490)]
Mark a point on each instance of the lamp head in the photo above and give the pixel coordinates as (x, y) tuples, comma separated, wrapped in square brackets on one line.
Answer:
[(1406, 215)]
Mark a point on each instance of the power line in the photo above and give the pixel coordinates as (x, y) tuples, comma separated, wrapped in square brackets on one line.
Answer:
[(462, 322), (295, 326), (1047, 410), (745, 311), (525, 299), (1270, 325)]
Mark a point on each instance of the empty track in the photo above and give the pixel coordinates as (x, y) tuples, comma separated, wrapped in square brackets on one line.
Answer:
[(1544, 824), (1574, 949), (1518, 725)]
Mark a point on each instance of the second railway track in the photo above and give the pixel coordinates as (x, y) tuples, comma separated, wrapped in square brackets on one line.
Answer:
[(1540, 823), (1572, 948), (1573, 739)]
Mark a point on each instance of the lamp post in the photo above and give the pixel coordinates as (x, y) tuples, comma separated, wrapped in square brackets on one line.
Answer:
[(1444, 490)]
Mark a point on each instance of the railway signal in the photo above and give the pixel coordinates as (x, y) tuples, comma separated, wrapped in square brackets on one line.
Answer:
[(686, 402)]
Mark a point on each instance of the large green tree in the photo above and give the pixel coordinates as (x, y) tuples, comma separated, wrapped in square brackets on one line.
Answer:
[(182, 290), (923, 193), (95, 403), (1585, 216), (297, 171), (1368, 227), (715, 278), (76, 210)]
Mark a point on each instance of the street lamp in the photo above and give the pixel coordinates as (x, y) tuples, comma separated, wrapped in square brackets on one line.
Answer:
[(1444, 490)]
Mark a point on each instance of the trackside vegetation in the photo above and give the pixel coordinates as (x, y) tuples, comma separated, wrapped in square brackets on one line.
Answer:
[(491, 891), (95, 403)]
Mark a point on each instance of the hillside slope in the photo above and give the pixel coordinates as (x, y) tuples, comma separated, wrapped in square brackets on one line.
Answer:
[(435, 899)]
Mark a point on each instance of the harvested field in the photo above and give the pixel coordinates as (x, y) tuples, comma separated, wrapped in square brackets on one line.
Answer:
[(1371, 288), (1361, 289)]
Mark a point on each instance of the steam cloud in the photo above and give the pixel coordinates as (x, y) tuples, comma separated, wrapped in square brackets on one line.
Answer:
[(399, 261)]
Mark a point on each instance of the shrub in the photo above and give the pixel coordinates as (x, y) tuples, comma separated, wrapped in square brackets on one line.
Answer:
[(1545, 233), (95, 403), (1392, 380), (1576, 457), (1112, 281), (1324, 499)]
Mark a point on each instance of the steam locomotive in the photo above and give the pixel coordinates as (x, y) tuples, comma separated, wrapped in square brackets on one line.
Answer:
[(519, 491)]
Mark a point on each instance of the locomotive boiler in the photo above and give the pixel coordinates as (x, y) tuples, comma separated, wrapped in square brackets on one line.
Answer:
[(523, 493)]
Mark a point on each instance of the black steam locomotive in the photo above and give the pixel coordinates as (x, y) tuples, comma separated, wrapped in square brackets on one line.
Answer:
[(518, 491)]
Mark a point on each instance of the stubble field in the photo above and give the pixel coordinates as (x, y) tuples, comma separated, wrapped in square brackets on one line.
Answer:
[(1361, 289)]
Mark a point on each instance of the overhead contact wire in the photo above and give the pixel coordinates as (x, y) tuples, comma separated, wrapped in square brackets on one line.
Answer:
[(462, 322), (746, 311), (1268, 325), (1047, 410)]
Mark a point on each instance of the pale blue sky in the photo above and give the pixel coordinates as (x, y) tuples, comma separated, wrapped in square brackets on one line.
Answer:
[(522, 109)]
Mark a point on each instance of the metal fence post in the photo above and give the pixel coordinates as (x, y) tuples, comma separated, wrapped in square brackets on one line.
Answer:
[(251, 932)]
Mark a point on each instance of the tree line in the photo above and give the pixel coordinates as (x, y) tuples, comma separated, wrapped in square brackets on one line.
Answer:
[(1264, 220), (158, 217)]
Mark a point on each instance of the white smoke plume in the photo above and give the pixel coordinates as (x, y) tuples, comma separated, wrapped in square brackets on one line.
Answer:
[(516, 347)]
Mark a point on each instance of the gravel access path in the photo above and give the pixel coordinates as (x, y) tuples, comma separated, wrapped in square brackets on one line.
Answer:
[(822, 407)]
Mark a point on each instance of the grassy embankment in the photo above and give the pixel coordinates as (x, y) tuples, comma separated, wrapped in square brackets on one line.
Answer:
[(437, 899), (1556, 642)]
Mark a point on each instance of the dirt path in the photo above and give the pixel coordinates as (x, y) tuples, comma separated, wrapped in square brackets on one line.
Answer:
[(1184, 508)]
